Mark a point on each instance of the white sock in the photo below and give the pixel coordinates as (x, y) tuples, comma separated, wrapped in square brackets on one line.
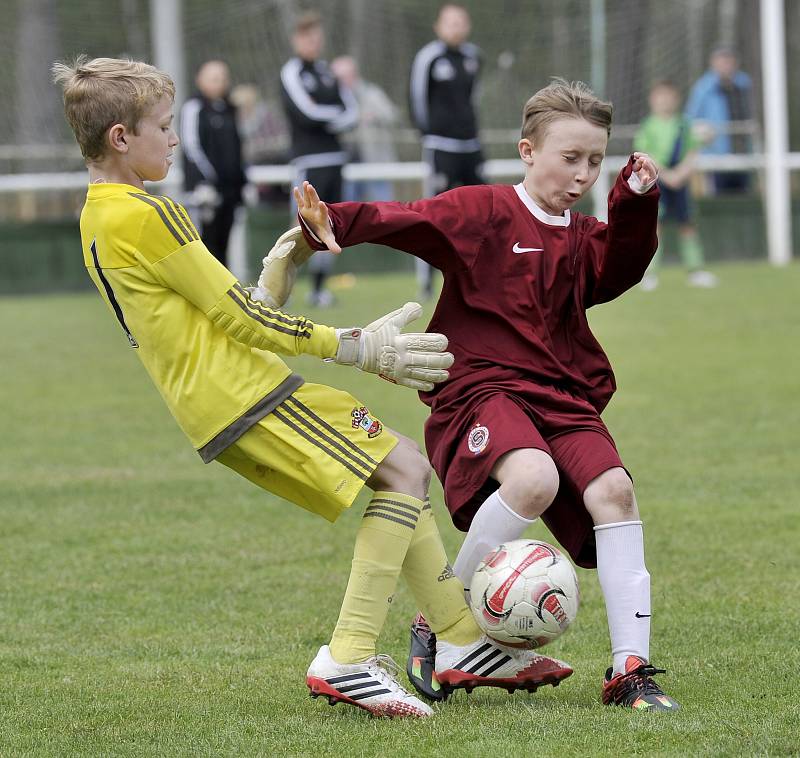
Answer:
[(494, 523), (626, 589)]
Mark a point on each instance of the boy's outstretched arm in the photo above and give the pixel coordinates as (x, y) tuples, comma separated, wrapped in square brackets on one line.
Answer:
[(616, 255), (416, 360)]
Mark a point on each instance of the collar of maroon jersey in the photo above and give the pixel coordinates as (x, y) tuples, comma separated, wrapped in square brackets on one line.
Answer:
[(537, 212)]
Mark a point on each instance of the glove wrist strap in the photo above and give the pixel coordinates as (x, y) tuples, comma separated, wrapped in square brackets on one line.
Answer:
[(349, 346)]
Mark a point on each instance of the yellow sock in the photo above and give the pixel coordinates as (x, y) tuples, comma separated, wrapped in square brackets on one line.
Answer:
[(381, 543), (437, 590)]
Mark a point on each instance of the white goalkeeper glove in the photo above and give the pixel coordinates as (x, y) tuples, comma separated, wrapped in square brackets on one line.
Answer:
[(280, 268), (416, 360)]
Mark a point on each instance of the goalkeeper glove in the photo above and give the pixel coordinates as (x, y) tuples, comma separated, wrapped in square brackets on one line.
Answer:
[(280, 268), (416, 360)]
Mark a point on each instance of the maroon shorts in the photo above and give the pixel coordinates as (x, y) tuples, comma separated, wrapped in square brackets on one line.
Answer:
[(465, 443)]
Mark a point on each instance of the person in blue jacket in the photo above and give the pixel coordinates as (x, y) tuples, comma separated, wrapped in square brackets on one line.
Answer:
[(720, 96)]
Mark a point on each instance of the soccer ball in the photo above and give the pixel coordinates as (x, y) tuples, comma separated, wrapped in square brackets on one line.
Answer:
[(524, 594)]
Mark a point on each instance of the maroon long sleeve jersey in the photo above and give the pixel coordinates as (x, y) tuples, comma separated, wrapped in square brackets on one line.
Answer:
[(517, 281)]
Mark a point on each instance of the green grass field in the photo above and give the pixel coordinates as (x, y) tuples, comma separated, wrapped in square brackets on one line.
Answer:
[(154, 606)]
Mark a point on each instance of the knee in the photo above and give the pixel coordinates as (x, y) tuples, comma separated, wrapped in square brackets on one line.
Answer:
[(405, 470), (610, 497), (530, 489)]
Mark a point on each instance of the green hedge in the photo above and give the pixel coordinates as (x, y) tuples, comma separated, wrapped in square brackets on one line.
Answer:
[(46, 256)]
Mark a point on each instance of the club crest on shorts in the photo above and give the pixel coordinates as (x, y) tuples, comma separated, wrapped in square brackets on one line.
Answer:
[(478, 439), (362, 420)]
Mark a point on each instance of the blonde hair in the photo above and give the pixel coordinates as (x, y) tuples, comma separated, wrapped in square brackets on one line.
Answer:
[(561, 99), (101, 92)]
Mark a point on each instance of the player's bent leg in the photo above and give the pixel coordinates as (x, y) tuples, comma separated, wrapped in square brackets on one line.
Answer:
[(371, 685), (610, 498), (486, 663), (440, 596), (528, 484), (528, 481), (404, 469), (400, 481)]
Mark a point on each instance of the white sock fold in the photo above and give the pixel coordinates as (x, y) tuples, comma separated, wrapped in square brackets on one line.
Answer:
[(494, 523), (626, 589)]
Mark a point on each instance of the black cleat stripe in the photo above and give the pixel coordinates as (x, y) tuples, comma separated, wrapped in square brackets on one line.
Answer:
[(474, 654), (484, 661), (348, 677), (359, 686), (369, 694), (496, 666)]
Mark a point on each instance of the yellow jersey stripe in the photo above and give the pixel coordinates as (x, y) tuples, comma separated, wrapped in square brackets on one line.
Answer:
[(250, 418), (314, 441), (244, 303), (272, 313), (186, 220), (170, 206), (329, 440), (332, 431), (153, 203)]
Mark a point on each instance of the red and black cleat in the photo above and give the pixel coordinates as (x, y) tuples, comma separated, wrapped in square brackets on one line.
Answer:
[(636, 689), (421, 666)]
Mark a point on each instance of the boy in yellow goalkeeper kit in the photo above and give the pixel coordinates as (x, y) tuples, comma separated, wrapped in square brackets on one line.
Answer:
[(210, 349)]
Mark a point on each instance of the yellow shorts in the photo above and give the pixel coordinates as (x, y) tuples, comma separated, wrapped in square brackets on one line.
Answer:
[(316, 449)]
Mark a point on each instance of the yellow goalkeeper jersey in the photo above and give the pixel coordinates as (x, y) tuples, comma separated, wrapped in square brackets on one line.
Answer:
[(198, 334)]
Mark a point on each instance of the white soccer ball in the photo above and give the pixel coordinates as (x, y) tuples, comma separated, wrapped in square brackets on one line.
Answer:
[(524, 594)]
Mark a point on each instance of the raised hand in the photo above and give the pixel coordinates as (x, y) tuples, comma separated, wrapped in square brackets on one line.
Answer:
[(645, 168), (315, 213)]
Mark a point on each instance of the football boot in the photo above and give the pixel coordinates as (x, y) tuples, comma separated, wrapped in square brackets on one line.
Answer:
[(371, 685), (636, 689), (487, 663), (421, 666)]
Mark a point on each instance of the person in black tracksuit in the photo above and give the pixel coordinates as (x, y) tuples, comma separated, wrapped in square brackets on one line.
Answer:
[(212, 156), (318, 109), (444, 75)]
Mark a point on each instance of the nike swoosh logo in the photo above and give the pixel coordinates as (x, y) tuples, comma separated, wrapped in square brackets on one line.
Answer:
[(642, 615), (518, 249)]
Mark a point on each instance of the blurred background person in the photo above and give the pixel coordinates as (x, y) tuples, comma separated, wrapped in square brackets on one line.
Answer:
[(213, 170), (318, 109), (372, 141), (265, 138), (719, 99), (667, 136), (444, 76), (262, 128)]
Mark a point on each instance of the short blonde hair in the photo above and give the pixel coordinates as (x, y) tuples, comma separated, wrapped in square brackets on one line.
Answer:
[(101, 92), (561, 99)]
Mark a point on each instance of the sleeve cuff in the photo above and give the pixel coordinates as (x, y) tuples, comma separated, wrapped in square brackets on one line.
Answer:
[(635, 183), (314, 241)]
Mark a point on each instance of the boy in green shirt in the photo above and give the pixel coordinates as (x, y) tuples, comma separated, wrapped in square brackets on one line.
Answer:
[(667, 136)]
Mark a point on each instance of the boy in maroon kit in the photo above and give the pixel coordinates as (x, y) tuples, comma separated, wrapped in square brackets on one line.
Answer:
[(515, 433)]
